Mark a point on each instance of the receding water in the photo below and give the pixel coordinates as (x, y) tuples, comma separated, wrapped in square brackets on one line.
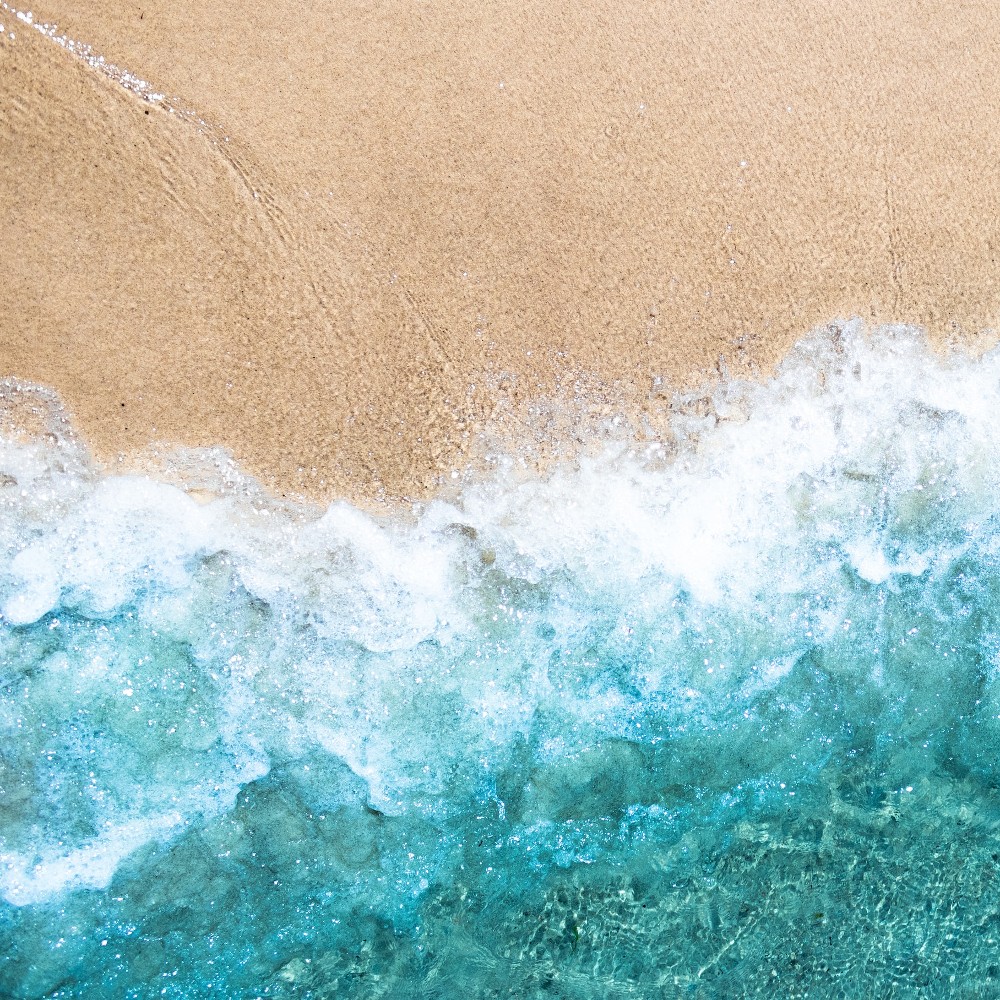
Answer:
[(719, 719)]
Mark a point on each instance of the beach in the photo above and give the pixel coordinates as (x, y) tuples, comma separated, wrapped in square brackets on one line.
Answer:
[(345, 241), (499, 503)]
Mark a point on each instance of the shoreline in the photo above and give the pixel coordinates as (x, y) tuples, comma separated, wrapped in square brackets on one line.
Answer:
[(310, 287), (530, 442)]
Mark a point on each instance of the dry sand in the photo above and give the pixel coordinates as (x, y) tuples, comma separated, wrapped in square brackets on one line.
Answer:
[(399, 214)]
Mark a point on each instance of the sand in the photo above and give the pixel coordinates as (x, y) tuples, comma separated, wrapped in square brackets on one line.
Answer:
[(354, 235)]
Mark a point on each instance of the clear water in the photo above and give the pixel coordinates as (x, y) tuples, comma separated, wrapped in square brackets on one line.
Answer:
[(714, 719)]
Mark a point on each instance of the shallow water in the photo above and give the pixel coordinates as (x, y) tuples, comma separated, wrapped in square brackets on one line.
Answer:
[(714, 719)]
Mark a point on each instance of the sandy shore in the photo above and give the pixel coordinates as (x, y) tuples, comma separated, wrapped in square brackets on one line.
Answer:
[(381, 220)]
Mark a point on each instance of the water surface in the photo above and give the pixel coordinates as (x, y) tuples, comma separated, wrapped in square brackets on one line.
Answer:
[(710, 717)]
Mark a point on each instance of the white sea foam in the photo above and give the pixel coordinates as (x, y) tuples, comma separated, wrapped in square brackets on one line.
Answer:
[(406, 647), (26, 879), (793, 457)]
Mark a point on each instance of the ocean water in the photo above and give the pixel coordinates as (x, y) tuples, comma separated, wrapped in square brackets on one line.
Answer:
[(709, 717)]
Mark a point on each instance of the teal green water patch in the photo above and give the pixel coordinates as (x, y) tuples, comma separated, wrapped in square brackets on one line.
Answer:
[(719, 718)]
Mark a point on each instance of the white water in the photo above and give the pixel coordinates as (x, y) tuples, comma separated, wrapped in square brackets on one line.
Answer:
[(653, 610)]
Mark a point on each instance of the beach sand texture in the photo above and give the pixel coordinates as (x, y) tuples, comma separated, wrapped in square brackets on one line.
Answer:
[(379, 220)]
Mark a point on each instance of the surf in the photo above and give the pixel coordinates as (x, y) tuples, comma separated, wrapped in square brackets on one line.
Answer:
[(705, 713)]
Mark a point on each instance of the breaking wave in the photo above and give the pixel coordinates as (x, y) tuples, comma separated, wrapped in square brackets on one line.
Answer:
[(710, 716)]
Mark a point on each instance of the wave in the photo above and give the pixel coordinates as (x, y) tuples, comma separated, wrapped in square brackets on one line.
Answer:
[(654, 720)]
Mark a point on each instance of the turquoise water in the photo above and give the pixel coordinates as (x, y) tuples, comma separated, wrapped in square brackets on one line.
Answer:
[(712, 717)]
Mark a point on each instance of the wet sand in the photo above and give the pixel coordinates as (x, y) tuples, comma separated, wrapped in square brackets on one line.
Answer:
[(355, 235)]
